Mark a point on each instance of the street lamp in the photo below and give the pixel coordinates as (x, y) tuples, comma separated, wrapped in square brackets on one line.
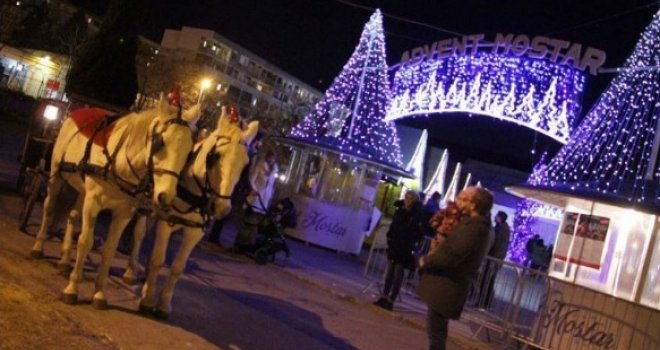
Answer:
[(203, 85)]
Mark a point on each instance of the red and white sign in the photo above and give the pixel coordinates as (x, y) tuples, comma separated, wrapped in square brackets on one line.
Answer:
[(583, 237), (53, 84)]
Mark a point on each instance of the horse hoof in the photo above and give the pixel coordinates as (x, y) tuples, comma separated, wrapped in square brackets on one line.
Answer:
[(70, 299), (145, 310), (65, 269), (36, 254), (161, 315), (100, 304), (131, 281)]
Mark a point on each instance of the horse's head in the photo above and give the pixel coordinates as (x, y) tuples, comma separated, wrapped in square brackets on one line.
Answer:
[(169, 146), (222, 157)]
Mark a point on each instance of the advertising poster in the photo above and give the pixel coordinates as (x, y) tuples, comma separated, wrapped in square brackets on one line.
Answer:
[(588, 241), (565, 236)]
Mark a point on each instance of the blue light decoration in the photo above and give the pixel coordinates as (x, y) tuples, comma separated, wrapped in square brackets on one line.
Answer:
[(526, 213), (613, 154), (535, 93), (350, 119)]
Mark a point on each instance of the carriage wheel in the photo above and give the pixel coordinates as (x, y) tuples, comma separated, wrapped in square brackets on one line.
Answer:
[(30, 197)]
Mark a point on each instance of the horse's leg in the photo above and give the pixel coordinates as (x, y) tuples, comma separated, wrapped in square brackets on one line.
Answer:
[(121, 216), (55, 184), (91, 208), (131, 274), (191, 236), (157, 260), (74, 216)]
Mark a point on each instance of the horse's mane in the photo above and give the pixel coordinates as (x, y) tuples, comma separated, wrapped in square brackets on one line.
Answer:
[(137, 129)]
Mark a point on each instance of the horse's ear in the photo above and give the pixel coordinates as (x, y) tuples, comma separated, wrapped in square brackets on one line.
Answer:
[(192, 114), (223, 120), (250, 132)]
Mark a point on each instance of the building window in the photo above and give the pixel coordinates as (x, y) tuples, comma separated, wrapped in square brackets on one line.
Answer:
[(243, 60)]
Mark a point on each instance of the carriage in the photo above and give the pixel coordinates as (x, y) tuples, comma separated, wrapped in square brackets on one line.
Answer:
[(34, 159)]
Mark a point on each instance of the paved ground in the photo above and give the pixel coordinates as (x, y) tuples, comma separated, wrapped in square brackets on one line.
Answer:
[(224, 300)]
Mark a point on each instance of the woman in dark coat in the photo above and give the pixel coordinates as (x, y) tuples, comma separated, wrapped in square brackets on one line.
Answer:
[(402, 238)]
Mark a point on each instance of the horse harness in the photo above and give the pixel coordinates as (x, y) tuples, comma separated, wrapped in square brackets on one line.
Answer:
[(145, 185), (198, 203)]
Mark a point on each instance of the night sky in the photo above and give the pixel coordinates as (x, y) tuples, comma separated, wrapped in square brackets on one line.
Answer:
[(312, 39)]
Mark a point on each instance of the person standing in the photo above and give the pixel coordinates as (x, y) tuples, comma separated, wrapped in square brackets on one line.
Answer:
[(240, 191), (498, 253), (529, 248), (448, 271), (262, 180), (402, 238)]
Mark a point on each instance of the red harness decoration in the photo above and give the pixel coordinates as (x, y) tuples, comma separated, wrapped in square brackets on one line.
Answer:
[(88, 120)]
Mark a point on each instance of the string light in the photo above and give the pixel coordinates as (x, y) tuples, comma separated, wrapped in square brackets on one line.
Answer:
[(611, 151), (526, 214), (538, 94), (350, 118)]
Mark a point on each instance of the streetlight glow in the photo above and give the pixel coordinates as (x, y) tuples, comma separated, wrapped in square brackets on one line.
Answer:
[(203, 85), (51, 112)]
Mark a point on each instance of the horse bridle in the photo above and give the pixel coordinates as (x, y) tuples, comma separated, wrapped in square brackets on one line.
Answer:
[(207, 189), (202, 203), (157, 144)]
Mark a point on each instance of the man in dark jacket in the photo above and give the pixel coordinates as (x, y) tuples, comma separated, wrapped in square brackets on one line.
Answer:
[(402, 238), (448, 271)]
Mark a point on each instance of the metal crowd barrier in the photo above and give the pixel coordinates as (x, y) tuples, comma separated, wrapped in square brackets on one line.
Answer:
[(516, 307), (376, 266)]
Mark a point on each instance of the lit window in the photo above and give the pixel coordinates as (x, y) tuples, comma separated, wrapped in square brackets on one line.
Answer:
[(204, 43)]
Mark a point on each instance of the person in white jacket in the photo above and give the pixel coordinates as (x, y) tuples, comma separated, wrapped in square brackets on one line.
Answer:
[(262, 180)]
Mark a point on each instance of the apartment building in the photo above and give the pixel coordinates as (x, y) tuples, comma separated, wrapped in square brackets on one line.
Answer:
[(239, 75)]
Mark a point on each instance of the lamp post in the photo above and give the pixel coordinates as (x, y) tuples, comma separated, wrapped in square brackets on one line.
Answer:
[(203, 85)]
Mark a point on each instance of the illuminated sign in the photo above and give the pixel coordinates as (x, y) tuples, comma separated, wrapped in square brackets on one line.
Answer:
[(542, 95), (540, 47)]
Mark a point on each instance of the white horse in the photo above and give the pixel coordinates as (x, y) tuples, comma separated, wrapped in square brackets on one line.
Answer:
[(151, 145), (207, 181)]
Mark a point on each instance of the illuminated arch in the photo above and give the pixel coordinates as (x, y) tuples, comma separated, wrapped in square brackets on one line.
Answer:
[(540, 95)]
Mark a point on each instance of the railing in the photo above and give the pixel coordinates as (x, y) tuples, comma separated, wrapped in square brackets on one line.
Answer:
[(517, 307)]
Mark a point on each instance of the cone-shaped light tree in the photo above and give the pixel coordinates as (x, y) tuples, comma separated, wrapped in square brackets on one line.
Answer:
[(614, 151), (350, 117), (437, 183)]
